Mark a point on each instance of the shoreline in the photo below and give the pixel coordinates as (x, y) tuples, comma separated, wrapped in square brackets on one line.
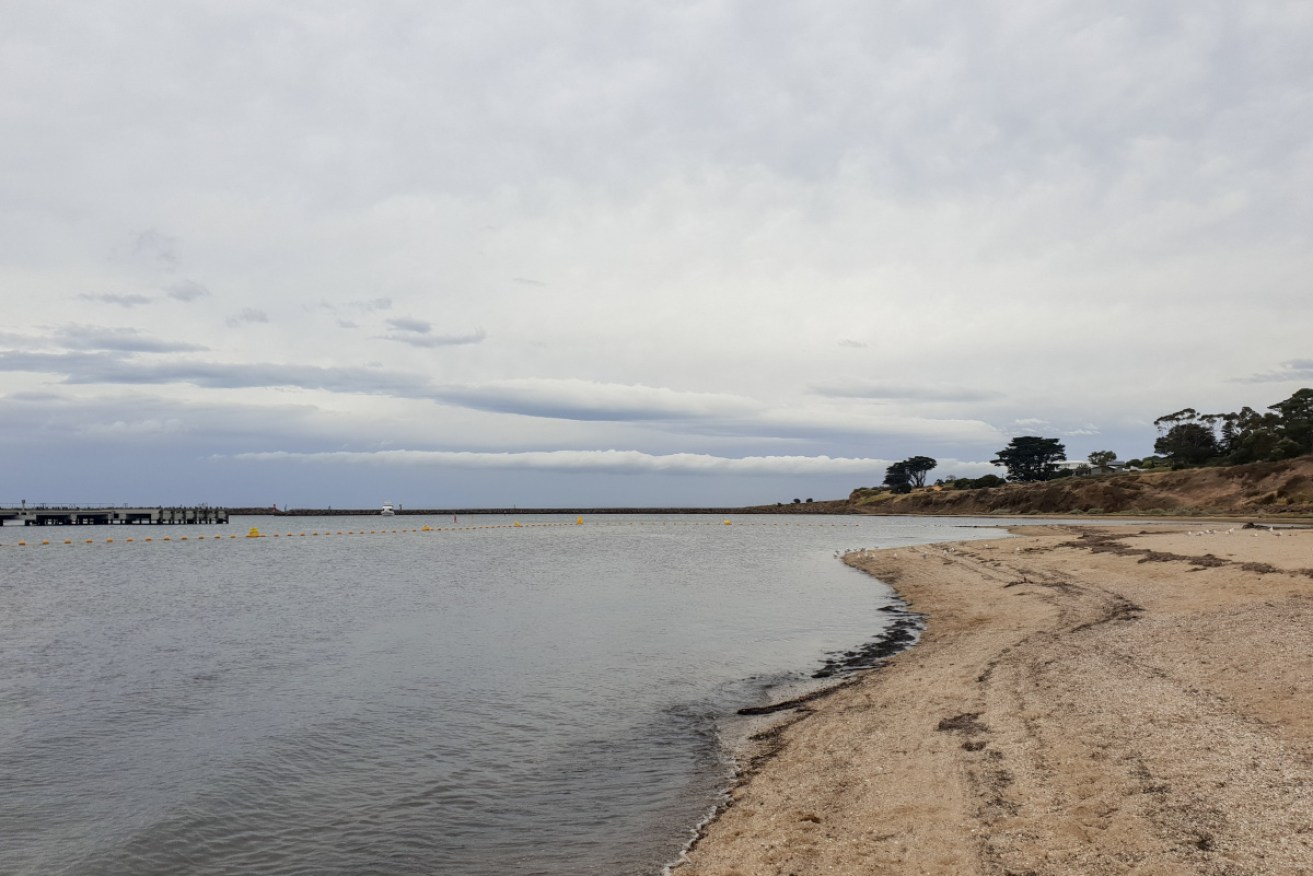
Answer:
[(1083, 700)]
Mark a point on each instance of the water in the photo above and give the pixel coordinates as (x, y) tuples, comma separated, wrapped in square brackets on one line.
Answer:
[(491, 699)]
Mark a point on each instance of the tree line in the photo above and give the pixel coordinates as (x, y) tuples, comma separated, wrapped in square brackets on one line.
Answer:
[(1027, 458), (1285, 430), (1185, 437)]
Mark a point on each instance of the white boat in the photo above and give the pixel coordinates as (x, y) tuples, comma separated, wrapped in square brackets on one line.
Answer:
[(387, 510)]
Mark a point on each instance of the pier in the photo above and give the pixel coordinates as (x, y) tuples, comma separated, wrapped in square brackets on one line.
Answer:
[(67, 515)]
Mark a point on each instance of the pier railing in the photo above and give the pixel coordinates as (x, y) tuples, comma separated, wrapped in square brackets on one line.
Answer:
[(46, 514)]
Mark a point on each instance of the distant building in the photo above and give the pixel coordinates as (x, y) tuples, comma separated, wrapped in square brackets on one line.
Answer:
[(1084, 467)]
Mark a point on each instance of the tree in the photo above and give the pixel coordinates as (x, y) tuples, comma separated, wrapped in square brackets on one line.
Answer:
[(1031, 458), (898, 478), (917, 468), (1100, 459), (1188, 444), (980, 483), (1296, 415)]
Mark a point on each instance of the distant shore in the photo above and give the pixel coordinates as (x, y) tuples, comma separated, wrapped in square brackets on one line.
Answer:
[(837, 506), (1084, 700)]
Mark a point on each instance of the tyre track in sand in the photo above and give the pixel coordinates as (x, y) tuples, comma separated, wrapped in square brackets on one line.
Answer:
[(1068, 711)]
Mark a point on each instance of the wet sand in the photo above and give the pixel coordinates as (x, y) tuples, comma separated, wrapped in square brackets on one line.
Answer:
[(1085, 700)]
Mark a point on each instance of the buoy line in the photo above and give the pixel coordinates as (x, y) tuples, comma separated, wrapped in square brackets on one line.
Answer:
[(255, 533)]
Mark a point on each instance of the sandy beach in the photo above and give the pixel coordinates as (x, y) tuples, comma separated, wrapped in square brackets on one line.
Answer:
[(1085, 700)]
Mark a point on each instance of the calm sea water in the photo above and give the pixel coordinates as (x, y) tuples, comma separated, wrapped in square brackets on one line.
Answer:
[(487, 699)]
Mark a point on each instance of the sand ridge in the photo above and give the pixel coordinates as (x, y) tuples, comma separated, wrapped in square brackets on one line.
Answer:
[(1085, 700)]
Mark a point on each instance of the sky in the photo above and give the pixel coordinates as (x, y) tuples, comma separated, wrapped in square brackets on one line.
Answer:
[(717, 252)]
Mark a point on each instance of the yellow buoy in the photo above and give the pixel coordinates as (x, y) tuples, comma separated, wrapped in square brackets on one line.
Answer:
[(728, 523), (129, 541), (254, 532), (22, 543), (109, 541), (148, 538), (47, 541), (90, 541), (579, 522), (70, 541), (517, 523), (426, 528)]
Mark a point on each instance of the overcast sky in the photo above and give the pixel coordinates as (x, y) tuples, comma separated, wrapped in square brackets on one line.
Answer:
[(552, 253)]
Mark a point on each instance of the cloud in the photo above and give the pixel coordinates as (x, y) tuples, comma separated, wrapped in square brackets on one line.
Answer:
[(116, 368), (811, 225), (608, 461), (573, 399), (409, 324), (186, 290), (136, 428), (904, 392), (66, 419), (695, 413), (1293, 369), (118, 340), (416, 339), (154, 246), (124, 300), (249, 315)]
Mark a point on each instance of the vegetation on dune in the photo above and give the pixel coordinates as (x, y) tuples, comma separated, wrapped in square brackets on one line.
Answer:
[(1188, 437), (1030, 458), (1231, 463)]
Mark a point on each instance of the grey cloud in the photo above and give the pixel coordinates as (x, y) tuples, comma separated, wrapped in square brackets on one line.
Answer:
[(429, 341), (65, 419), (119, 340), (593, 401), (614, 461), (248, 316), (117, 368), (410, 324), (152, 245), (37, 397), (528, 281), (905, 392), (186, 290), (1293, 369), (372, 304), (125, 300), (69, 365), (706, 414)]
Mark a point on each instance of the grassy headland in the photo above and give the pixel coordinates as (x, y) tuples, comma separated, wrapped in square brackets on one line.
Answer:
[(1271, 489)]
